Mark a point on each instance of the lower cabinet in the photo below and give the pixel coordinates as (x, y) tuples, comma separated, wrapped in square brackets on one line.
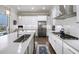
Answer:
[(67, 51), (29, 49), (58, 45), (31, 46)]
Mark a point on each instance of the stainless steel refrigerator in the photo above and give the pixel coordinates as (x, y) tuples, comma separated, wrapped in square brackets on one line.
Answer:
[(42, 28)]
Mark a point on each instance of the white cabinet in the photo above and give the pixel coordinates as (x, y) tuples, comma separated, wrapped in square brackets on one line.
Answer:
[(59, 46), (66, 49), (31, 46), (55, 44)]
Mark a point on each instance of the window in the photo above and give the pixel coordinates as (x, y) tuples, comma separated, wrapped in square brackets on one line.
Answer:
[(3, 23)]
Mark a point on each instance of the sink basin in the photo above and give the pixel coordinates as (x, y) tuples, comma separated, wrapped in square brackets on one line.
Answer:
[(22, 38)]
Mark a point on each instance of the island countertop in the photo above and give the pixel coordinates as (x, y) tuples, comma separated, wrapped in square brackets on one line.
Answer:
[(7, 46)]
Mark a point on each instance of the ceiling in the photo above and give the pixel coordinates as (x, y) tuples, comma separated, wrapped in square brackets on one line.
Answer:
[(32, 8)]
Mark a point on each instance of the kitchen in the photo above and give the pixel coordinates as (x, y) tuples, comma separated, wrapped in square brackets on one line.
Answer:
[(40, 22)]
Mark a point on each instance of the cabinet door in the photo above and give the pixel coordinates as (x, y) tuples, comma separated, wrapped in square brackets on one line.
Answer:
[(67, 50), (58, 46), (28, 50)]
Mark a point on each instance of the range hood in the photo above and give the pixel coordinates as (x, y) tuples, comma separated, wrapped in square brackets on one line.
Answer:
[(66, 11)]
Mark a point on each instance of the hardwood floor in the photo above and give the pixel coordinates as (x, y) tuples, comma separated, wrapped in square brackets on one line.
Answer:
[(41, 40), (44, 40)]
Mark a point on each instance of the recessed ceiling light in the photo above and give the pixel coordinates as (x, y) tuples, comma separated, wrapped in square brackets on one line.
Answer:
[(43, 8), (7, 12), (19, 17), (18, 8), (32, 8)]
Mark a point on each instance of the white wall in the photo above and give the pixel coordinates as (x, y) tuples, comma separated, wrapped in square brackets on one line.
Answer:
[(74, 8), (68, 21), (31, 22), (77, 7), (70, 26), (13, 16)]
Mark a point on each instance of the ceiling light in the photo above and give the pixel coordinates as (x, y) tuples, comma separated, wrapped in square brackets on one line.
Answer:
[(43, 8), (19, 17), (32, 8), (7, 12)]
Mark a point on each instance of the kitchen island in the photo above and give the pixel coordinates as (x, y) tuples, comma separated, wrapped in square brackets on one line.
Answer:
[(8, 46)]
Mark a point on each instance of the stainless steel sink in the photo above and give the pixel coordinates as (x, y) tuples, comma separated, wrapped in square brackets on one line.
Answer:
[(23, 38)]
